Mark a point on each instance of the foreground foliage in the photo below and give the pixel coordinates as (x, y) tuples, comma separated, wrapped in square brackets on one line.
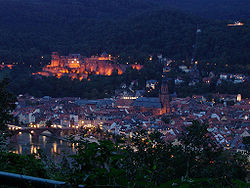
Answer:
[(22, 164), (148, 161)]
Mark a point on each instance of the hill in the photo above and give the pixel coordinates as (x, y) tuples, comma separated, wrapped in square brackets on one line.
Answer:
[(34, 28), (212, 9)]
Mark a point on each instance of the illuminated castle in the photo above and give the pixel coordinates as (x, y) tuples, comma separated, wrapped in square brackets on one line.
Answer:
[(77, 66)]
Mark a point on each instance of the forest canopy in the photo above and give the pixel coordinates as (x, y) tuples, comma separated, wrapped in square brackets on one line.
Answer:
[(31, 29)]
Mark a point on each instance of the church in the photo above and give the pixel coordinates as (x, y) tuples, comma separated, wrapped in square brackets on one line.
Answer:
[(157, 105)]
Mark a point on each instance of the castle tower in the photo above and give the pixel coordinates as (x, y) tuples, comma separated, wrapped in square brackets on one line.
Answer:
[(55, 59), (164, 96)]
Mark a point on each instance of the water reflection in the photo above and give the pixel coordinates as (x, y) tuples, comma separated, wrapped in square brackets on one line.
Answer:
[(34, 149), (30, 138), (54, 148), (28, 144), (20, 149), (73, 147), (44, 141)]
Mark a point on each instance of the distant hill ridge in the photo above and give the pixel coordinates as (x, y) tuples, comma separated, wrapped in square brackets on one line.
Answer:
[(218, 9)]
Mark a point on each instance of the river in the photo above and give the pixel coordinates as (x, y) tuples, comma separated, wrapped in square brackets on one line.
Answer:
[(53, 147)]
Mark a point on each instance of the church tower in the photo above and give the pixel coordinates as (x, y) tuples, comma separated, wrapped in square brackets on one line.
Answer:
[(55, 59), (164, 96)]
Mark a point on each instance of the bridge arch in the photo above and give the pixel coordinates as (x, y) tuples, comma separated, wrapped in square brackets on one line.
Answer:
[(51, 131)]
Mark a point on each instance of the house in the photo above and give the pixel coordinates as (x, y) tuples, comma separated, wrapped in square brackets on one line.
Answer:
[(145, 104), (184, 68), (223, 76), (151, 84), (245, 133), (124, 103), (207, 80), (178, 81)]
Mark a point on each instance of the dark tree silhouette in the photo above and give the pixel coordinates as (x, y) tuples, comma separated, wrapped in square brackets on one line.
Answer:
[(7, 104)]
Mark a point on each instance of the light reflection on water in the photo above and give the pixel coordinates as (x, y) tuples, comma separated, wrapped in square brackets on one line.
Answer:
[(27, 144)]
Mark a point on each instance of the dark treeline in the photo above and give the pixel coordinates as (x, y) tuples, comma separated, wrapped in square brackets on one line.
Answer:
[(22, 82), (97, 87)]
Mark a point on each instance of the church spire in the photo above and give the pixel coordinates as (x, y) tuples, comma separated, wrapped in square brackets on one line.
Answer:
[(164, 96)]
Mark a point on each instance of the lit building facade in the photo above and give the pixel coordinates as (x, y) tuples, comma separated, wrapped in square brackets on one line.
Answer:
[(78, 67)]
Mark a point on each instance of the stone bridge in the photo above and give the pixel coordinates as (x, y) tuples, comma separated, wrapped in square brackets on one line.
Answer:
[(36, 132)]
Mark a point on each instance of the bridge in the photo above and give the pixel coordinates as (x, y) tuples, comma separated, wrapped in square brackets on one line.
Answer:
[(36, 131)]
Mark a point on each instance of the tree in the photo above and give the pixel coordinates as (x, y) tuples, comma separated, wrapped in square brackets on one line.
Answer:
[(97, 164), (246, 142), (48, 123), (7, 105), (198, 147), (165, 119), (205, 158), (150, 161)]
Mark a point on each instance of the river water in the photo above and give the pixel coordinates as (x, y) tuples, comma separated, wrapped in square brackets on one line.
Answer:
[(53, 147)]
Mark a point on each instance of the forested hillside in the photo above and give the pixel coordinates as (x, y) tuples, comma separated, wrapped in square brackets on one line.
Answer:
[(33, 28), (213, 9)]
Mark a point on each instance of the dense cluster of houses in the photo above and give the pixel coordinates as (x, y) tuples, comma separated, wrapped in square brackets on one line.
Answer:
[(196, 78), (226, 115)]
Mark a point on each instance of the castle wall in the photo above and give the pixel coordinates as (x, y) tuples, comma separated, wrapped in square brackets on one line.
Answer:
[(75, 66)]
